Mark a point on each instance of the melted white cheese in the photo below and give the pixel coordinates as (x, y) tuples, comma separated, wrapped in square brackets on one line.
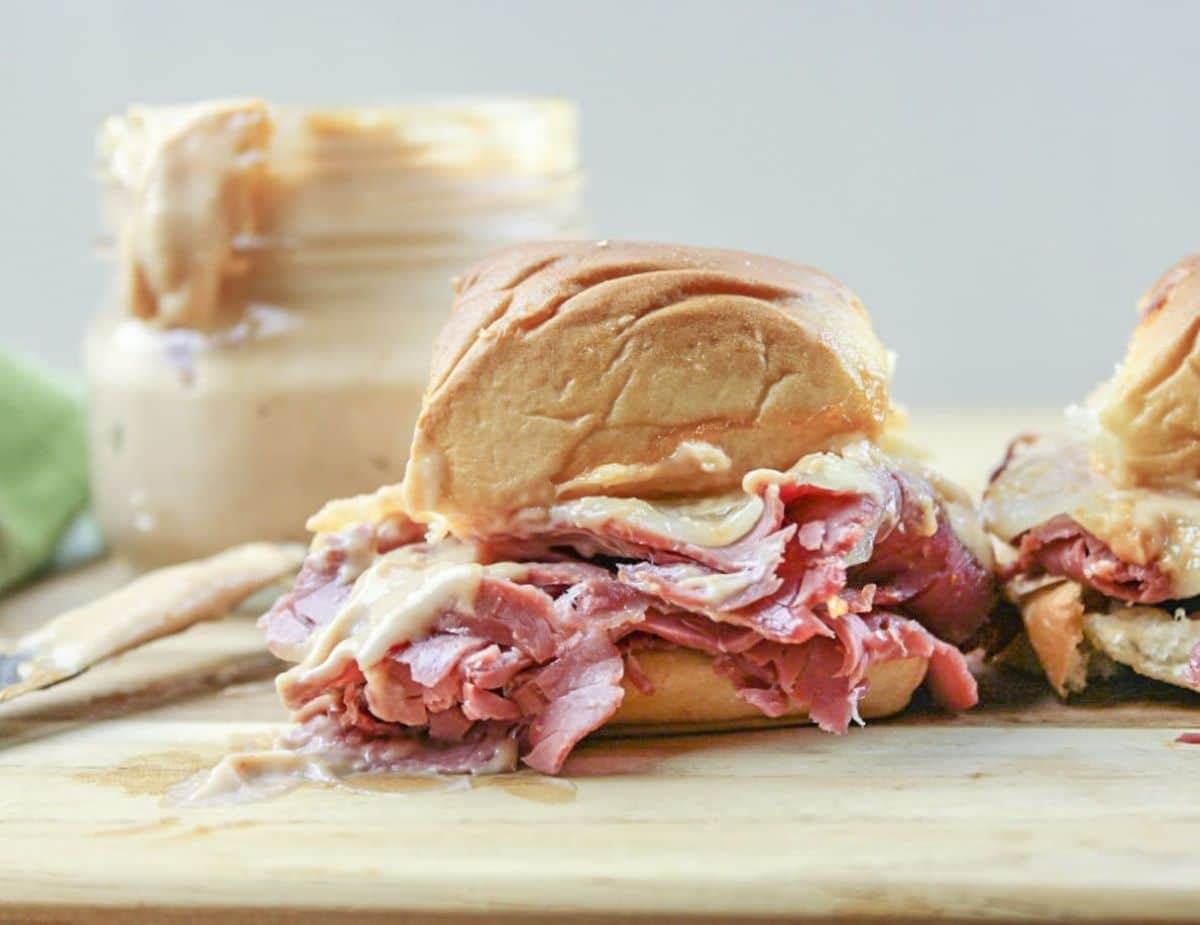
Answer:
[(690, 458), (711, 589), (343, 513), (848, 470), (401, 605), (715, 521), (1052, 475), (398, 599)]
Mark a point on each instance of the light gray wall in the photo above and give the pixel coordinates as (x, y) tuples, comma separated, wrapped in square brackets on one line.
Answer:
[(998, 181)]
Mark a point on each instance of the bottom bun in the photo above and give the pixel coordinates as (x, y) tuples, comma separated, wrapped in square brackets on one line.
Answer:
[(1075, 642), (689, 696), (1150, 640)]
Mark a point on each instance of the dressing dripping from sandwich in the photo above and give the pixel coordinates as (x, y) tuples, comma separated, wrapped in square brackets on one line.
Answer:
[(647, 490), (1102, 521)]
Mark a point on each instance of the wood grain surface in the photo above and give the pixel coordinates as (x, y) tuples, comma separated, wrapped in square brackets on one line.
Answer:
[(1024, 808)]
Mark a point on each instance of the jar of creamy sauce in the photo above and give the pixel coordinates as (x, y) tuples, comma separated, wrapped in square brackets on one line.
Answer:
[(280, 276)]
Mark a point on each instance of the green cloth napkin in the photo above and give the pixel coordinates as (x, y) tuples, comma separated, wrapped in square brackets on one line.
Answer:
[(43, 464)]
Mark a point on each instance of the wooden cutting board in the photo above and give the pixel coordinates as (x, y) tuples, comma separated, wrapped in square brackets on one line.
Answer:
[(1022, 808)]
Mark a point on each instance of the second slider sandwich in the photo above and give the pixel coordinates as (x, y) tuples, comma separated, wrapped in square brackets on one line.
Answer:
[(1101, 522), (646, 491)]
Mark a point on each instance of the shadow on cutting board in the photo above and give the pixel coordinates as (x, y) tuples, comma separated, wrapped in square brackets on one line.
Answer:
[(1008, 697)]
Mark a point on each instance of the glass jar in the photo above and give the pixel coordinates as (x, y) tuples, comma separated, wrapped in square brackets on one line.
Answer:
[(280, 275)]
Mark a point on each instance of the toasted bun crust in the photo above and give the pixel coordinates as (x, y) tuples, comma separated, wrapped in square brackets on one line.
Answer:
[(689, 696), (1074, 643), (1053, 618), (1150, 640), (1149, 414), (562, 358)]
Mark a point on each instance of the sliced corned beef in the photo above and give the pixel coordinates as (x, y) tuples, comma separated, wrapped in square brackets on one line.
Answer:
[(1062, 547), (826, 585)]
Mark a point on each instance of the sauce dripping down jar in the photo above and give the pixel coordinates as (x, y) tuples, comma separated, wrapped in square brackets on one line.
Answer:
[(280, 275)]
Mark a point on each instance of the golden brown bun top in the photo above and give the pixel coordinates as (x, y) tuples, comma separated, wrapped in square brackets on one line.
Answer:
[(1149, 414), (570, 368)]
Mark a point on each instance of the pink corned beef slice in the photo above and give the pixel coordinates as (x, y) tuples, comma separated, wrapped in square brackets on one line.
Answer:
[(1062, 547)]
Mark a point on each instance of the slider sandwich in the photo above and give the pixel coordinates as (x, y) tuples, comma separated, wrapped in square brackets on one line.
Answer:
[(1101, 523), (647, 491)]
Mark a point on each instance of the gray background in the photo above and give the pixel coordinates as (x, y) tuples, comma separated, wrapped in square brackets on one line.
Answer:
[(998, 181)]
